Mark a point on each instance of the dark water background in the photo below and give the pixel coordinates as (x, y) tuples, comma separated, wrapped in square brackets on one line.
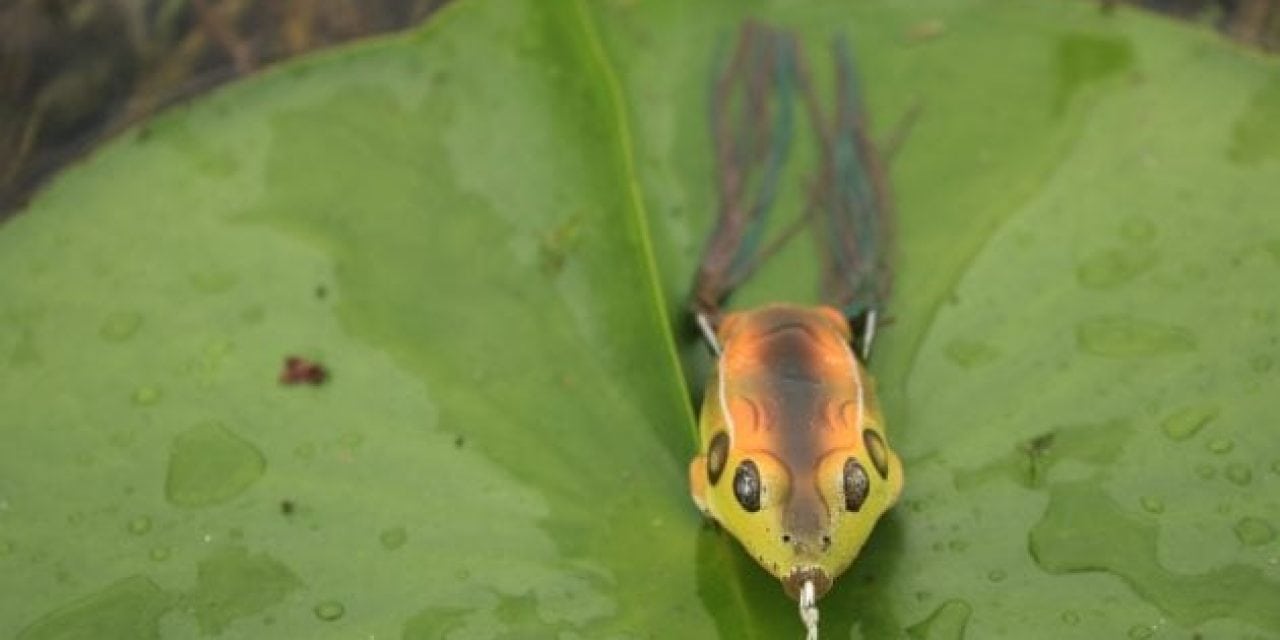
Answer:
[(73, 72)]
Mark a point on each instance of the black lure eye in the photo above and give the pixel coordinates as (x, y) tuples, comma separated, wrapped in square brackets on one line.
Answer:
[(746, 486), (856, 485), (878, 452), (717, 455)]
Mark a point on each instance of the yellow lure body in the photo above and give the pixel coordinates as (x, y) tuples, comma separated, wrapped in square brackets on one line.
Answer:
[(793, 460)]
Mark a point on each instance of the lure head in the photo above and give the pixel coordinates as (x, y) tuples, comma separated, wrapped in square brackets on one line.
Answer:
[(793, 459)]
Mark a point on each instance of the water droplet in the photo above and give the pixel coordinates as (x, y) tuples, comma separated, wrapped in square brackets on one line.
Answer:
[(218, 348), (1186, 422), (1071, 617), (253, 315), (232, 583), (208, 465), (996, 575), (1111, 268), (1261, 363), (146, 396), (1239, 473), (305, 451), (1138, 230), (1140, 632), (26, 351), (214, 281), (130, 608), (968, 354), (1151, 504), (122, 439), (1254, 532), (1083, 530), (393, 538), (1126, 337), (119, 327), (330, 610), (1221, 445), (140, 525), (947, 622), (159, 554)]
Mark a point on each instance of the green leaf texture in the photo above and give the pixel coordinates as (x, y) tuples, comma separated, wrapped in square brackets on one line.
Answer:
[(485, 230)]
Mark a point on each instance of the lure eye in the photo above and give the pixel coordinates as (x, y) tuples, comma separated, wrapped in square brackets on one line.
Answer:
[(878, 452), (856, 485), (717, 455), (746, 486)]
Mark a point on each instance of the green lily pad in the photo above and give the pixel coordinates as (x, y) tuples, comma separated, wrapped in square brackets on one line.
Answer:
[(482, 230)]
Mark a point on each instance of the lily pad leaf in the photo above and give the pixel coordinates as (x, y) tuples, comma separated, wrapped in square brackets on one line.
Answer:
[(484, 231)]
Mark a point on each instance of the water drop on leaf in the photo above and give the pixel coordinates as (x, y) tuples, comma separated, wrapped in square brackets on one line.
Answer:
[(146, 396), (1239, 473), (393, 538), (1152, 504), (330, 610), (140, 525), (119, 327), (1221, 445), (1185, 423), (1140, 632), (1254, 532), (209, 465)]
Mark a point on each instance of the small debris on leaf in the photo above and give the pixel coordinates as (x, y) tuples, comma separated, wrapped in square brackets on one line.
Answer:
[(299, 370)]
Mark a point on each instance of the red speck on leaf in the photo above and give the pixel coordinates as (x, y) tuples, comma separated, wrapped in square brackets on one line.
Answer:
[(299, 370)]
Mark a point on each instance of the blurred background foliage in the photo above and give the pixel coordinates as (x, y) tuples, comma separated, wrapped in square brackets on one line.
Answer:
[(73, 72)]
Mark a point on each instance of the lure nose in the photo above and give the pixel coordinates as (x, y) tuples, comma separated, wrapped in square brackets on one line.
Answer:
[(807, 545), (800, 575)]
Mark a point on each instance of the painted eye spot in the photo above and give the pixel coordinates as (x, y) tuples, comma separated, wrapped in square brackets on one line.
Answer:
[(856, 484), (878, 451), (717, 455), (746, 486)]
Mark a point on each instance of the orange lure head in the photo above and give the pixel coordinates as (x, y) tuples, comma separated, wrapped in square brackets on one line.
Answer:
[(793, 460)]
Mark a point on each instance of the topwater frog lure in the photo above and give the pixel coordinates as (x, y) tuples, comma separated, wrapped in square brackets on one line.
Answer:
[(793, 459)]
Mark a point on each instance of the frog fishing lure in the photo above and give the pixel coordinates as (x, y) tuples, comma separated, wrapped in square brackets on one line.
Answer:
[(793, 459)]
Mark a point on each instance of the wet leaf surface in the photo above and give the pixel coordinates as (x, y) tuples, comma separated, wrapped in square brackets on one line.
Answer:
[(481, 229)]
